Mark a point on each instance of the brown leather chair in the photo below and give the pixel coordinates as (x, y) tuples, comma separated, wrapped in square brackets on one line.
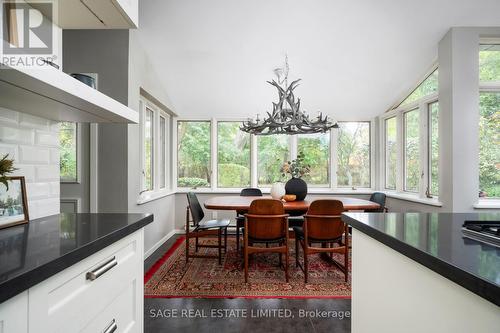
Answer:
[(322, 224), (266, 222), (240, 215), (203, 228)]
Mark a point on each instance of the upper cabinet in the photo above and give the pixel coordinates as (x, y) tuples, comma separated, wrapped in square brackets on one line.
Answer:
[(97, 14)]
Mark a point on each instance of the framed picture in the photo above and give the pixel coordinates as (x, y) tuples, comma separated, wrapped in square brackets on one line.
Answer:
[(13, 203)]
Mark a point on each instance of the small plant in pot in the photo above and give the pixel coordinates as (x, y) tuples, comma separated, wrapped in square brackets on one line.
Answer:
[(297, 169), (6, 168)]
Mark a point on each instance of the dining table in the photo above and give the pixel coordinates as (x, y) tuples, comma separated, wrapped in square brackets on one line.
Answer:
[(242, 203)]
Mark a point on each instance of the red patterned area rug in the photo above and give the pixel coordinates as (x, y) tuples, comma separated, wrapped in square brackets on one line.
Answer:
[(170, 277)]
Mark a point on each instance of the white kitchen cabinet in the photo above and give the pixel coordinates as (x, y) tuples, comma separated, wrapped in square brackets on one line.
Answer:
[(101, 293), (14, 314), (96, 14)]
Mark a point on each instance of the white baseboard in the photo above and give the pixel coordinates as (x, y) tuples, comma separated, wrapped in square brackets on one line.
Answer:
[(161, 241)]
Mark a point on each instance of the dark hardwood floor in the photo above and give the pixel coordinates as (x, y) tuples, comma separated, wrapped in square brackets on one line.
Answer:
[(241, 314)]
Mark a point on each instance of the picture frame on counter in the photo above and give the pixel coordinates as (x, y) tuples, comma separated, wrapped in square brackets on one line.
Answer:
[(13, 203)]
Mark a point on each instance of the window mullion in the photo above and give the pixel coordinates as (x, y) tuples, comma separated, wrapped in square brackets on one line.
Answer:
[(334, 135), (424, 149), (400, 153), (253, 161)]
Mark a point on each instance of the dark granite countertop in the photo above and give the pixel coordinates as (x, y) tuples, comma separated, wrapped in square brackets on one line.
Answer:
[(33, 252), (435, 240)]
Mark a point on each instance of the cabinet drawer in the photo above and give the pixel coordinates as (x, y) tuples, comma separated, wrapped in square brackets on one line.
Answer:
[(71, 299), (121, 315)]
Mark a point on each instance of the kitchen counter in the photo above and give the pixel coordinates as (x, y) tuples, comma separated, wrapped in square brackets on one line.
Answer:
[(33, 252), (403, 264)]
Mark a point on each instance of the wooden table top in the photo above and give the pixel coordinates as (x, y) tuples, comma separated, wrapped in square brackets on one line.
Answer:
[(237, 202)]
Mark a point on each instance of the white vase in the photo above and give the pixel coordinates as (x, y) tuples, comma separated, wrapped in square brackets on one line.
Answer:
[(277, 190)]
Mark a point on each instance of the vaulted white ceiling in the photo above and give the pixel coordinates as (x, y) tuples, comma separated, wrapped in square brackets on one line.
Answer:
[(355, 57)]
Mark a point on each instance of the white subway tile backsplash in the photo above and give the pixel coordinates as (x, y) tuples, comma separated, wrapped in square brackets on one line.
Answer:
[(33, 142), (16, 135), (8, 115), (47, 173), (34, 155), (30, 121)]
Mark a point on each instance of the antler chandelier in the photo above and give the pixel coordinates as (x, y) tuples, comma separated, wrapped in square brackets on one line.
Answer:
[(287, 118)]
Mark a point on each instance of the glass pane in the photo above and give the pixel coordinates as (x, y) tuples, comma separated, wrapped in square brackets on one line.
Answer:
[(434, 148), (354, 154), (412, 151), (163, 152), (233, 155), (489, 63), (193, 154), (148, 150), (489, 144), (429, 86), (390, 153), (272, 152), (316, 150), (68, 163)]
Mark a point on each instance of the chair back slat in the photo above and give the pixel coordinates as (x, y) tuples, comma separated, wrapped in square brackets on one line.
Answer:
[(266, 219), (378, 197), (251, 192), (323, 219), (195, 208)]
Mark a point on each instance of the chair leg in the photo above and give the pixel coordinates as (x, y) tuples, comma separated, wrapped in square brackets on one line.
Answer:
[(286, 265), (220, 245), (187, 248), (196, 245), (245, 250), (225, 240), (306, 268), (296, 252), (237, 239)]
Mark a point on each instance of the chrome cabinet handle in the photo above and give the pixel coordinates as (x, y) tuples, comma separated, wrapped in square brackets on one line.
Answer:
[(101, 269), (111, 327)]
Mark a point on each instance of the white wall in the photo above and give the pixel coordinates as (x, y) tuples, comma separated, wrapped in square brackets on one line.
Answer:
[(142, 75), (33, 143)]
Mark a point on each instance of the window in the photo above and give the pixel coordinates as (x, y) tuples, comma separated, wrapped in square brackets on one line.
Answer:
[(148, 150), (316, 150), (163, 152), (391, 153), (68, 155), (411, 151), (489, 121), (427, 87), (272, 152), (154, 148), (489, 147), (353, 154), (193, 154), (433, 149), (233, 155)]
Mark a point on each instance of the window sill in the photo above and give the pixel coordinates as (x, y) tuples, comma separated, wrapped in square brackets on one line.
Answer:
[(414, 198), (151, 196), (488, 204), (313, 191)]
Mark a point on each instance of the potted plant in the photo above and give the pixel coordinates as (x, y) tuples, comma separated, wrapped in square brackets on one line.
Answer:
[(297, 169), (6, 168)]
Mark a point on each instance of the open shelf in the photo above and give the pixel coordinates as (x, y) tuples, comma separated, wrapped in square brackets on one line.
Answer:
[(52, 94)]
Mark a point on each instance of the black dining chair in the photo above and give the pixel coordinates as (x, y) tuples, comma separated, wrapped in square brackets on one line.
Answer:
[(240, 218), (378, 197), (203, 228)]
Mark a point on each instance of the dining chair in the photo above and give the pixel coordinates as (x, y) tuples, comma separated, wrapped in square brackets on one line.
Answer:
[(322, 224), (203, 228), (240, 217), (378, 197), (266, 222)]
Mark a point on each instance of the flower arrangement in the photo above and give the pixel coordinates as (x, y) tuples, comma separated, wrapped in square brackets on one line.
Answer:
[(6, 167), (297, 168)]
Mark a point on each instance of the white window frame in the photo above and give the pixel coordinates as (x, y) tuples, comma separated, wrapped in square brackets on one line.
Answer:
[(488, 87), (78, 145), (157, 191), (329, 188), (422, 105)]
